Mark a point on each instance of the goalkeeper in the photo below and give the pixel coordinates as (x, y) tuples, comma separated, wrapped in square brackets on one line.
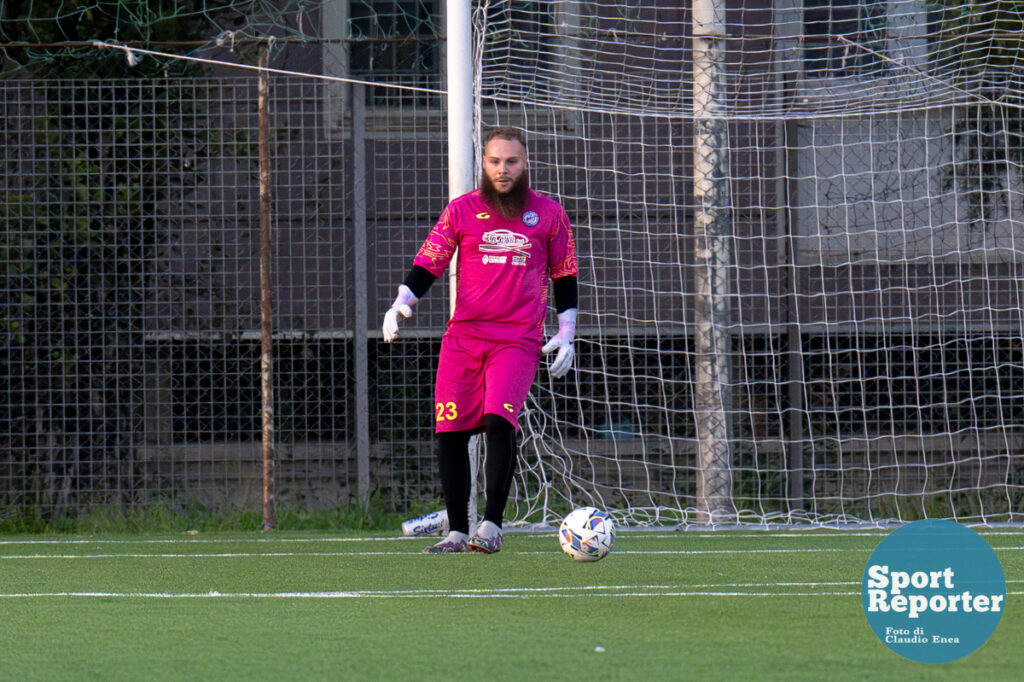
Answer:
[(510, 241)]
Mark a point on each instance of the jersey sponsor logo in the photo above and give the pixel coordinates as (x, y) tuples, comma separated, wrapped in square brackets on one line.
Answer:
[(505, 241), (530, 218), (483, 215), (518, 260), (497, 259), (509, 407)]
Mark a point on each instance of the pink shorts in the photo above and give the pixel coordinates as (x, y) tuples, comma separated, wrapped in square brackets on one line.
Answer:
[(477, 377)]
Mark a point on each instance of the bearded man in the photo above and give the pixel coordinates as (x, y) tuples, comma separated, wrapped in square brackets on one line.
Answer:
[(511, 241)]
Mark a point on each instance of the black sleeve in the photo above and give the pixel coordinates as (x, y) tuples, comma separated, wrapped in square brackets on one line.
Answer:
[(567, 293), (419, 280)]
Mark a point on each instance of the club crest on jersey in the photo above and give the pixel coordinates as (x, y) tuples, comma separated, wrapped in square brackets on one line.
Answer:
[(530, 218), (505, 241)]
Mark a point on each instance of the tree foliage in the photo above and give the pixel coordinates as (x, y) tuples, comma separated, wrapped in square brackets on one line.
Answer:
[(45, 39)]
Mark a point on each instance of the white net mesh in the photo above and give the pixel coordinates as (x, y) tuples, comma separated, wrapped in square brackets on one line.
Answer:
[(787, 59), (873, 157)]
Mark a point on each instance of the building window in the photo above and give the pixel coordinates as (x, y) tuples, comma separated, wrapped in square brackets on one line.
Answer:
[(844, 37), (394, 40)]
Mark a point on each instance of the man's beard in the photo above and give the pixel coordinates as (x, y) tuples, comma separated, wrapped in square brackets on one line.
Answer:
[(510, 204)]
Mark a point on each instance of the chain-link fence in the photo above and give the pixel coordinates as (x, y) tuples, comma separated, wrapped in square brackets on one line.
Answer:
[(131, 320)]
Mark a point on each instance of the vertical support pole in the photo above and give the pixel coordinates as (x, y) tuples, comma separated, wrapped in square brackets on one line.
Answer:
[(335, 58), (787, 17), (266, 290), (795, 435), (360, 291), (459, 61), (461, 136), (713, 257)]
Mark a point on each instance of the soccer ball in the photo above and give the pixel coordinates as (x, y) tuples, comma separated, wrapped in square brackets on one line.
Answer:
[(586, 534)]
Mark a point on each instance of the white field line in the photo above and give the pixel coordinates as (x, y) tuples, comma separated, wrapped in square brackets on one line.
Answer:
[(703, 535), (201, 555), (415, 595), (199, 541), (232, 555), (722, 535), (734, 589), (508, 593)]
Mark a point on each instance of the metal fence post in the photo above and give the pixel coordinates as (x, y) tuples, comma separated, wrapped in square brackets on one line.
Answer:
[(266, 247), (360, 290)]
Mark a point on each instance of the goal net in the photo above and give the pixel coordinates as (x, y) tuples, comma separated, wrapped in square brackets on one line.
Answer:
[(873, 277), (799, 228)]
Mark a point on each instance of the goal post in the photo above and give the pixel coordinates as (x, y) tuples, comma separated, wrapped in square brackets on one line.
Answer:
[(461, 162)]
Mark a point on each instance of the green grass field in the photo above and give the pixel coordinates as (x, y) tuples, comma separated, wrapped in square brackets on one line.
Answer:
[(728, 605)]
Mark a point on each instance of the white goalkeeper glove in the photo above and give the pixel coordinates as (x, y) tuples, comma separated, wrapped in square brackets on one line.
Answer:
[(402, 306), (562, 342)]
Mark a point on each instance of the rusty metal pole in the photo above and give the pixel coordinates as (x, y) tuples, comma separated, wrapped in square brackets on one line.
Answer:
[(266, 291)]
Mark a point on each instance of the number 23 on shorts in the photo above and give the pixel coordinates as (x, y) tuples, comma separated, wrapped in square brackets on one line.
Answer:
[(446, 411)]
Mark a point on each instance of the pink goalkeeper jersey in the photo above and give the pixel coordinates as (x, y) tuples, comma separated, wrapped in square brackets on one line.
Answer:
[(504, 265)]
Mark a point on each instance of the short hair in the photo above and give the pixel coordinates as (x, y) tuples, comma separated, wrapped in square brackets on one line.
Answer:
[(506, 133)]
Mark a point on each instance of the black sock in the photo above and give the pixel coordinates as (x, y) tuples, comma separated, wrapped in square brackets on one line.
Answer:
[(500, 466), (453, 463)]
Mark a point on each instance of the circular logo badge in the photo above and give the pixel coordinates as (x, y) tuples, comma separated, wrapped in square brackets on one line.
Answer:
[(530, 218), (933, 591)]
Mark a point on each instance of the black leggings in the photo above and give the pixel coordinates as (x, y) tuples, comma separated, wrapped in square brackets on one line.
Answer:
[(453, 450)]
